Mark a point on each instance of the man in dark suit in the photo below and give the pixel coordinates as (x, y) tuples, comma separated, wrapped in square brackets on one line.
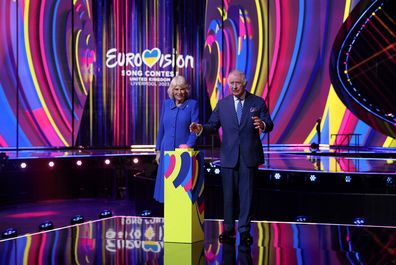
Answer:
[(241, 115)]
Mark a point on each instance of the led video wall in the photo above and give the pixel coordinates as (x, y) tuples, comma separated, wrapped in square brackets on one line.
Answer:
[(95, 73)]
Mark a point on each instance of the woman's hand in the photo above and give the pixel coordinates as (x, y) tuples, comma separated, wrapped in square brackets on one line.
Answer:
[(184, 146), (157, 157)]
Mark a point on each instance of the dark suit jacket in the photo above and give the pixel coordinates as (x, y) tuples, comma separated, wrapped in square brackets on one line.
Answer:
[(240, 140)]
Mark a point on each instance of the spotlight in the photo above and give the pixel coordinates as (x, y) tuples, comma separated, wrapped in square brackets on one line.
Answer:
[(47, 225), (301, 218), (9, 233), (359, 221), (277, 176), (145, 213), (217, 171), (389, 181), (313, 178), (23, 165), (107, 161), (135, 160), (105, 214), (79, 163), (77, 219), (348, 179), (51, 164)]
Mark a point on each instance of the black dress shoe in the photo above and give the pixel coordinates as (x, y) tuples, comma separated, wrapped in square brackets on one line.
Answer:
[(246, 238), (227, 236)]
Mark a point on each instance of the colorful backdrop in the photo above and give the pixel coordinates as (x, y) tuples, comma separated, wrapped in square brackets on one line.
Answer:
[(95, 73)]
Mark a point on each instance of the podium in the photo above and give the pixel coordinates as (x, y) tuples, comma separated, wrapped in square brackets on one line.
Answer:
[(186, 254), (183, 195)]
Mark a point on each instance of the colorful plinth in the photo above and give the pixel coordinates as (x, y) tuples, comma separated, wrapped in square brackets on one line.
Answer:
[(184, 202)]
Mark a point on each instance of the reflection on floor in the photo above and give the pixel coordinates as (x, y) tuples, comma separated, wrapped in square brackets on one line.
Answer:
[(137, 240)]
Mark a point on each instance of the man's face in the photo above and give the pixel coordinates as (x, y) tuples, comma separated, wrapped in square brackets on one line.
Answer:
[(235, 82)]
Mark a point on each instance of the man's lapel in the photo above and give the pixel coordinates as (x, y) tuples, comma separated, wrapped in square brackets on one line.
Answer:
[(231, 109), (245, 111)]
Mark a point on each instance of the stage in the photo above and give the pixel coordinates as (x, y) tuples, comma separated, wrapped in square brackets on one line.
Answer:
[(329, 206)]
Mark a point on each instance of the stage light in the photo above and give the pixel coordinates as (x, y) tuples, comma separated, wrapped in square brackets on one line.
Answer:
[(145, 213), (51, 164), (313, 178), (217, 171), (45, 226), (77, 219), (107, 161), (389, 181), (277, 176), (105, 214), (9, 233), (348, 179), (23, 165), (359, 221), (135, 160), (79, 163), (301, 218)]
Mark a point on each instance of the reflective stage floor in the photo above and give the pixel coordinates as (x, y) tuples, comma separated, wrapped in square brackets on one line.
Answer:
[(323, 188), (139, 240)]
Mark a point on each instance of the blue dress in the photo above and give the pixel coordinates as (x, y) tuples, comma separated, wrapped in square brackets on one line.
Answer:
[(173, 131)]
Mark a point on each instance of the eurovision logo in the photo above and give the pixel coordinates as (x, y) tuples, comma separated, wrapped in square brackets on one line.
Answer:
[(151, 57), (156, 63)]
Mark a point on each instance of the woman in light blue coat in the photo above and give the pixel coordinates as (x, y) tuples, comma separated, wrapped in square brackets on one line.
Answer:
[(177, 114)]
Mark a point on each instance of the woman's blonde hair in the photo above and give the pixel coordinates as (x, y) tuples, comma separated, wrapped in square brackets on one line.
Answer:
[(180, 81)]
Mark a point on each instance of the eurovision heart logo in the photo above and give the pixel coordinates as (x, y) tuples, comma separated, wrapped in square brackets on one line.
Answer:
[(151, 57)]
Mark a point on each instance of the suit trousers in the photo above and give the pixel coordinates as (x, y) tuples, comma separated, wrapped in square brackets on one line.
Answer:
[(238, 181)]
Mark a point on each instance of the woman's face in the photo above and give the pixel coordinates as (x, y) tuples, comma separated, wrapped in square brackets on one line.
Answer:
[(180, 94)]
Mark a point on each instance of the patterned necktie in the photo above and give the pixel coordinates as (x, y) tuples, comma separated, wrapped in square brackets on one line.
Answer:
[(239, 110)]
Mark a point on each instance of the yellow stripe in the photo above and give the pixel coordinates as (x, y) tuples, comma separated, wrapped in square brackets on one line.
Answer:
[(88, 8), (87, 39), (26, 251), (76, 245), (347, 8), (336, 112), (78, 65), (260, 50), (260, 239), (389, 142), (33, 73)]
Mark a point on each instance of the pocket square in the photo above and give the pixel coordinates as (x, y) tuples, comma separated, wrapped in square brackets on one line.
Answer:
[(253, 109)]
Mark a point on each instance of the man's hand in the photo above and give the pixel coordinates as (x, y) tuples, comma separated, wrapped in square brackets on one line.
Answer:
[(258, 123), (196, 128)]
